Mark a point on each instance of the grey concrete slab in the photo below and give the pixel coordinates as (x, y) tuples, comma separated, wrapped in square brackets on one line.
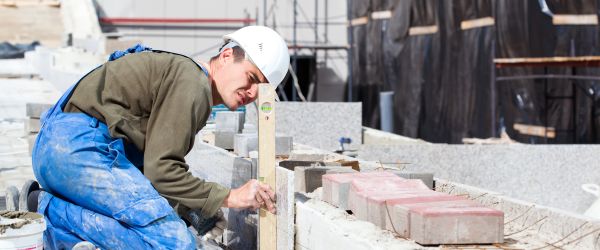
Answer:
[(243, 144), (549, 175), (35, 110), (322, 226), (215, 164), (427, 178), (285, 208), (529, 225), (229, 121), (16, 93), (317, 124), (12, 68), (307, 179), (225, 139), (32, 125)]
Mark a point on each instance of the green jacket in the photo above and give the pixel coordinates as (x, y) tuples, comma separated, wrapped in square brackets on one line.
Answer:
[(157, 101)]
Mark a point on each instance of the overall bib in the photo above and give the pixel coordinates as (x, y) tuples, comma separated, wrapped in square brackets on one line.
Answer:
[(93, 189)]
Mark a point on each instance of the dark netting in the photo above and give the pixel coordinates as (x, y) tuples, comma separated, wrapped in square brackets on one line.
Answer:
[(12, 51), (362, 90), (568, 106), (442, 82), (408, 67)]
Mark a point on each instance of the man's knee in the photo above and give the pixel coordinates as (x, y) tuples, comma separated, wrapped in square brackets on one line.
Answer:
[(168, 232)]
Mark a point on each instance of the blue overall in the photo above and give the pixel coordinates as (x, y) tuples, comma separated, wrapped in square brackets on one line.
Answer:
[(93, 190)]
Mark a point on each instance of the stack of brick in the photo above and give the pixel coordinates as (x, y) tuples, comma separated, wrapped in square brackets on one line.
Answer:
[(410, 209), (34, 112)]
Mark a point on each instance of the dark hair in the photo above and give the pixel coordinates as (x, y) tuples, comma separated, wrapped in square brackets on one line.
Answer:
[(238, 54)]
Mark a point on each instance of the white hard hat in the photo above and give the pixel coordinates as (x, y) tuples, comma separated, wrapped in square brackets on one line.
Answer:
[(266, 49)]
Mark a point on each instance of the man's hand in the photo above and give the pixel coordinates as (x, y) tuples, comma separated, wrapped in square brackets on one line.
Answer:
[(219, 227), (253, 195)]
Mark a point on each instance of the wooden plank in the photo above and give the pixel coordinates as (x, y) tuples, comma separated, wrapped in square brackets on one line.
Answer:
[(422, 30), (386, 14), (267, 222), (575, 19), (582, 61), (476, 23), (535, 130), (359, 21)]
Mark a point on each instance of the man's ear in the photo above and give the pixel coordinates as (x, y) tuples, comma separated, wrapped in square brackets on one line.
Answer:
[(226, 55)]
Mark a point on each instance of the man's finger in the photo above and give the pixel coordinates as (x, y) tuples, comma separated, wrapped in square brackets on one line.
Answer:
[(258, 200), (270, 205), (266, 188)]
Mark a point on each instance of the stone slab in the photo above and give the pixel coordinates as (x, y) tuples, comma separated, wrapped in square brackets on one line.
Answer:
[(215, 164), (292, 164), (307, 179), (318, 124), (378, 210), (427, 178), (519, 171), (31, 142), (320, 226), (224, 139), (16, 68), (32, 125), (243, 144), (529, 225), (35, 110), (336, 186), (285, 208), (399, 221), (456, 225), (382, 188), (230, 121)]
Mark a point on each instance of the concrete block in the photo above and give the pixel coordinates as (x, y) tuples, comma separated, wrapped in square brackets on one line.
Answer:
[(283, 145), (229, 121), (399, 211), (285, 208), (319, 226), (243, 144), (32, 125), (307, 179), (468, 225), (309, 156), (35, 110), (427, 178), (386, 188), (224, 139), (249, 128), (337, 186), (217, 165), (31, 142), (318, 124), (292, 164), (379, 210), (505, 168)]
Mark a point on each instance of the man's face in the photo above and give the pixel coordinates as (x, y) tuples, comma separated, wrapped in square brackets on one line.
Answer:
[(237, 81)]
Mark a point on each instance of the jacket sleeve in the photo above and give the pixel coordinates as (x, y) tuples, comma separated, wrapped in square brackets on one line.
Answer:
[(180, 107)]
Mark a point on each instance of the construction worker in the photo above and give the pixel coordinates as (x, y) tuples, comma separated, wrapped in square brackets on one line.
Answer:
[(110, 153)]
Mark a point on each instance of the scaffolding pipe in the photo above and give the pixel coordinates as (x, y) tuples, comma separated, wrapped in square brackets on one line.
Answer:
[(134, 20), (326, 38), (295, 61), (265, 12), (350, 45), (386, 108)]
